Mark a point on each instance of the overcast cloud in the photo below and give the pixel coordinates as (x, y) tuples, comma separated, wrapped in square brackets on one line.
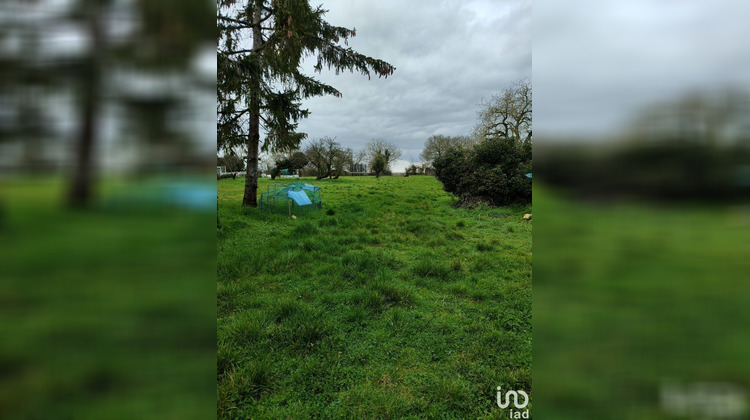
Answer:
[(449, 55), (596, 63)]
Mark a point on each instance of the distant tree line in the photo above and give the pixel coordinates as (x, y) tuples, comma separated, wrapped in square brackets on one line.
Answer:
[(322, 158)]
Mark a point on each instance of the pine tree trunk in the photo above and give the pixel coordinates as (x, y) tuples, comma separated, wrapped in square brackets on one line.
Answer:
[(80, 191), (250, 198)]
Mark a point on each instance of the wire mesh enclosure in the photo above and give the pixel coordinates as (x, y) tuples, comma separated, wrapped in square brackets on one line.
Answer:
[(291, 199)]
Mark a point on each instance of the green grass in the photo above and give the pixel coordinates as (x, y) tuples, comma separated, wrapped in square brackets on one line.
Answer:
[(630, 296), (104, 314), (387, 303)]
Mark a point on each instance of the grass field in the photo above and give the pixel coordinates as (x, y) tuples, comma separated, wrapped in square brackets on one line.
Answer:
[(631, 297), (387, 303), (106, 313)]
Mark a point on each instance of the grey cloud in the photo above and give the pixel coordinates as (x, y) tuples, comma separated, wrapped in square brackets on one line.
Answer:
[(448, 56), (597, 63)]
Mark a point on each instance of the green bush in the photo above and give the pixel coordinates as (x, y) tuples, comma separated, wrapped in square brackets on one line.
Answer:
[(379, 165), (412, 170), (493, 172)]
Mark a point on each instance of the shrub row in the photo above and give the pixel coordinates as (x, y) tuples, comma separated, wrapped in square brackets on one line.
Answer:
[(661, 171)]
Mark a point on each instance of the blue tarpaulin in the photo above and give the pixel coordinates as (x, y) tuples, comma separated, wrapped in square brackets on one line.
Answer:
[(299, 197), (309, 187)]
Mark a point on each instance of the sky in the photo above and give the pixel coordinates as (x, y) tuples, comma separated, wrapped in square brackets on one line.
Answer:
[(449, 56), (598, 63)]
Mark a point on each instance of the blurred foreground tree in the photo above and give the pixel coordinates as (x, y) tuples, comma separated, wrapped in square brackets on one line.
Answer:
[(24, 82), (261, 46), (122, 42)]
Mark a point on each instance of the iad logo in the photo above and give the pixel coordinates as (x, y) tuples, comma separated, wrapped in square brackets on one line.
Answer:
[(514, 414), (705, 400)]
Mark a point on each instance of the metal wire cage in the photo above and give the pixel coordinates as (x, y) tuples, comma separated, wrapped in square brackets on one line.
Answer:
[(295, 198)]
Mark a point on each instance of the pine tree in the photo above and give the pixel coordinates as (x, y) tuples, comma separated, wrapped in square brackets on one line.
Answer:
[(261, 46)]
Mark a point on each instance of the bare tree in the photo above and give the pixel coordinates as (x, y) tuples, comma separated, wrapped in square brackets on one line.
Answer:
[(381, 147), (341, 160), (438, 145), (315, 152), (327, 156), (508, 114), (358, 158)]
